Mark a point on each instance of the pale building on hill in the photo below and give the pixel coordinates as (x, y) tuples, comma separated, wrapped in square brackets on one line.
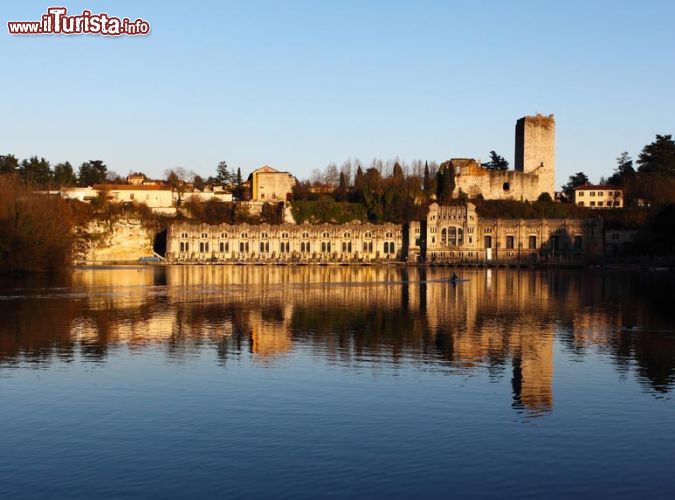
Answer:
[(269, 184), (139, 179), (158, 198), (84, 194), (218, 193), (598, 196)]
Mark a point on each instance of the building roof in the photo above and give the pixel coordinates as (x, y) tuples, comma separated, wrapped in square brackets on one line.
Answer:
[(597, 186), (267, 170), (132, 187)]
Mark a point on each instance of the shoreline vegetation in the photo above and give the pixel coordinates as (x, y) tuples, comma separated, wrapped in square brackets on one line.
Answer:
[(36, 231)]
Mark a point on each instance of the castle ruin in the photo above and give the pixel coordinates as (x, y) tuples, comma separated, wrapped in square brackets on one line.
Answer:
[(534, 168)]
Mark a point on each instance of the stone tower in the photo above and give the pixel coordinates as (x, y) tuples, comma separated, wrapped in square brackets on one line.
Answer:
[(535, 150)]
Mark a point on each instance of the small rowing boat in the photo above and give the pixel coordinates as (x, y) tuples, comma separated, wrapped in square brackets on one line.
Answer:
[(454, 280)]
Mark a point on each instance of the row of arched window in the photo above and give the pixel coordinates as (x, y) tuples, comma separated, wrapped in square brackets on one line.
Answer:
[(389, 247), (264, 235)]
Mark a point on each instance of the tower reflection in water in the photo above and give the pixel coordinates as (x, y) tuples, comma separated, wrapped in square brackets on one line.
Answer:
[(502, 322)]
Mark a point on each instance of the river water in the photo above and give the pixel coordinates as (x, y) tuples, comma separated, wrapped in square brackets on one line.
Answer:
[(248, 381)]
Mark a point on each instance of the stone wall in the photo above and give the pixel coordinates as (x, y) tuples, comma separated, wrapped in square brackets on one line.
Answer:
[(119, 240), (473, 180)]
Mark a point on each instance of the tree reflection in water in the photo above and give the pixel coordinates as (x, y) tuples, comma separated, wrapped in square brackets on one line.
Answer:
[(353, 317)]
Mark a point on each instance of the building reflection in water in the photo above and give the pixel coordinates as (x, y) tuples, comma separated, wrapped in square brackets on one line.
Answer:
[(502, 322)]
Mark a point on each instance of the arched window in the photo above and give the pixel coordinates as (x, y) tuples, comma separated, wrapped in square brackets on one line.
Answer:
[(244, 235), (326, 235), (347, 235), (284, 235), (263, 235), (443, 236), (205, 235), (305, 235), (368, 235), (184, 235), (452, 236)]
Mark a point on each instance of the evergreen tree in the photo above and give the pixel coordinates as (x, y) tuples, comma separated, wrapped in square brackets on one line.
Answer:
[(64, 175), (496, 162), (445, 183), (427, 185), (92, 172), (658, 157), (357, 189), (238, 177), (397, 171), (624, 170), (342, 189), (198, 182), (575, 181), (9, 164), (223, 173), (35, 171)]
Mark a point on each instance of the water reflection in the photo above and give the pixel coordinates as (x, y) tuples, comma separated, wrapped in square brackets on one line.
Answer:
[(502, 323)]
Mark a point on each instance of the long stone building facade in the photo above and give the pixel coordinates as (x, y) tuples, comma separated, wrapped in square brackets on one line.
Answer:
[(284, 243), (448, 234)]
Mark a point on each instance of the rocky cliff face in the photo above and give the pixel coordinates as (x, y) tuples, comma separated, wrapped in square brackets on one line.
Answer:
[(117, 240)]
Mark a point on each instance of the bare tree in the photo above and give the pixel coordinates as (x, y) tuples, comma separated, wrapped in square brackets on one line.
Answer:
[(346, 171), (332, 175), (417, 168), (316, 177)]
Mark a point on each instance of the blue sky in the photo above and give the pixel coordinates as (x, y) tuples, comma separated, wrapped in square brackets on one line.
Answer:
[(297, 85)]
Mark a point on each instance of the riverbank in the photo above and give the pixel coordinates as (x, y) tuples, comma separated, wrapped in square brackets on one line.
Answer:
[(505, 264)]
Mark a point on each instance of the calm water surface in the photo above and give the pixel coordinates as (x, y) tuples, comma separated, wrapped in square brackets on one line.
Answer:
[(337, 382)]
